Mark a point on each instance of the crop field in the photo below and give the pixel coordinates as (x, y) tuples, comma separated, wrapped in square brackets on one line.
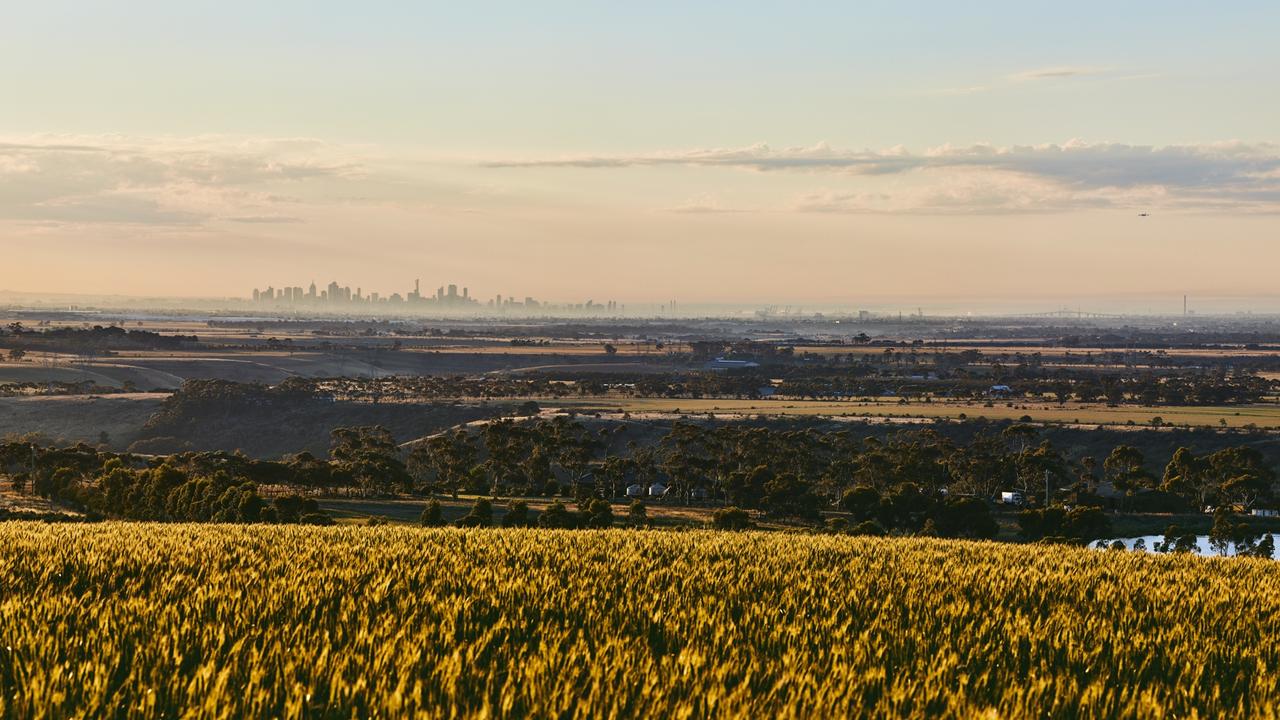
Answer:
[(167, 370), (559, 347), (1262, 415), (990, 350), (136, 620)]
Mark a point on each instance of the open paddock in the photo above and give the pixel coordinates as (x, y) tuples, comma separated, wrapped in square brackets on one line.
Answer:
[(1260, 415)]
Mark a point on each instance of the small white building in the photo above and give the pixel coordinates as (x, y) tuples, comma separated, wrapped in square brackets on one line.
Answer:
[(721, 363), (657, 490), (635, 491)]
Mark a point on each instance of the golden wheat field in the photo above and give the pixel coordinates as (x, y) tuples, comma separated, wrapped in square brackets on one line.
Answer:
[(150, 620)]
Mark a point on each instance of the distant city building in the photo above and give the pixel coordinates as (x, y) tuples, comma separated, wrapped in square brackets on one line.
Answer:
[(445, 299)]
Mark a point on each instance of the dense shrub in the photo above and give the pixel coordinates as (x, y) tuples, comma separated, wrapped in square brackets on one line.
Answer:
[(432, 515), (1079, 524), (598, 514), (517, 514), (481, 514), (557, 516), (731, 518)]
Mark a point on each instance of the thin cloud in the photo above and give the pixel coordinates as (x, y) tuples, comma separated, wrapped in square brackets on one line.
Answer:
[(1075, 160), (1058, 73), (703, 205), (969, 90), (104, 209), (265, 219), (1081, 174), (159, 181), (966, 192), (1040, 75)]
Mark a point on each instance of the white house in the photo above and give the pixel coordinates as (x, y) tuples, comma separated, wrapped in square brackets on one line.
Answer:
[(1012, 498)]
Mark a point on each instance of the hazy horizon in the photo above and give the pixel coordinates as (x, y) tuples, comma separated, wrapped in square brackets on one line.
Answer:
[(735, 154), (987, 306)]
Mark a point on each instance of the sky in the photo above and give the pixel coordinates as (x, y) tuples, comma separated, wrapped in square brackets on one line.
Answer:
[(744, 152)]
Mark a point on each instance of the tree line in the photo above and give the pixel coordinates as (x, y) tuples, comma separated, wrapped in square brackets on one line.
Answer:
[(191, 487), (912, 481), (98, 339)]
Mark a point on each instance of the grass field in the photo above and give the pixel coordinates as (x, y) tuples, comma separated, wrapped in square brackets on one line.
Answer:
[(1262, 415), (148, 369), (79, 418), (133, 620), (990, 350)]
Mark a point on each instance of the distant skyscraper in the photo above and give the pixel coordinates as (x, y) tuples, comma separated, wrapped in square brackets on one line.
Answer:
[(447, 297)]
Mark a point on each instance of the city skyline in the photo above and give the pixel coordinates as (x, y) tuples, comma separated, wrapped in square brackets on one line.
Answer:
[(446, 298)]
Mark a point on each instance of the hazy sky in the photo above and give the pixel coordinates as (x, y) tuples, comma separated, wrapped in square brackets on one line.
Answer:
[(735, 151)]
